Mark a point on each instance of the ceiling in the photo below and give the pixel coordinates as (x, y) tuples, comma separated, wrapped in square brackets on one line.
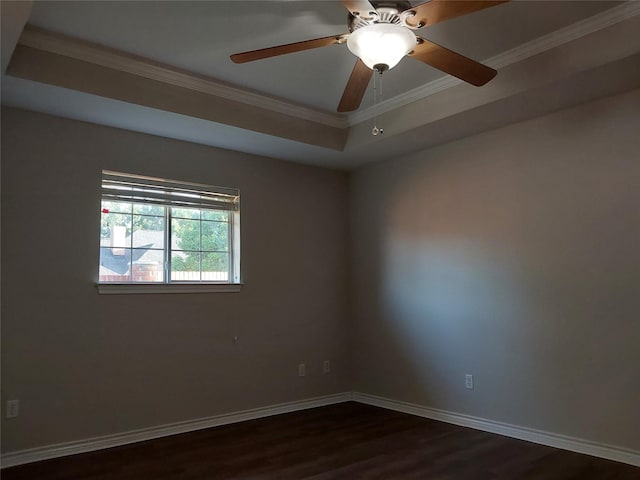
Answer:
[(163, 68)]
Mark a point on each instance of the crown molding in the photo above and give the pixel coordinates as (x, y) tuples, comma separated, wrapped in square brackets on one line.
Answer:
[(539, 45), (96, 54)]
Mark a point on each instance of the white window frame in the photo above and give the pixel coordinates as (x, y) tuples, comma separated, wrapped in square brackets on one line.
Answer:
[(131, 188)]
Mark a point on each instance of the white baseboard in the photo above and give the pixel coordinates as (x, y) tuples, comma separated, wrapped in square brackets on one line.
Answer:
[(536, 436), (98, 443)]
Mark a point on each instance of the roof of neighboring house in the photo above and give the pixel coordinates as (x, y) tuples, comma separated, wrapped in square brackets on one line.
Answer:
[(148, 248)]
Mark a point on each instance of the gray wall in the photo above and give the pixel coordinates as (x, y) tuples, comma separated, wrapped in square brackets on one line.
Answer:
[(513, 256), (84, 364)]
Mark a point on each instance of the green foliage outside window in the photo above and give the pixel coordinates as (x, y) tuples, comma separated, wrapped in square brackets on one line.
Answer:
[(201, 236), (145, 217)]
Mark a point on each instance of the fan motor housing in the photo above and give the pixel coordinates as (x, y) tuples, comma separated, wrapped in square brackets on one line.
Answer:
[(385, 12), (400, 6)]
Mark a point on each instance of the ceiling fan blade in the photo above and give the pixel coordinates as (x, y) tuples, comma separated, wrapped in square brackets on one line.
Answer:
[(436, 11), (452, 63), (356, 86), (288, 48), (359, 8)]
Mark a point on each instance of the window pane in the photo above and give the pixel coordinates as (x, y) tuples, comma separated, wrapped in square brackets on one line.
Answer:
[(185, 213), (156, 210), (147, 265), (148, 231), (185, 234), (215, 267), (115, 265), (115, 230), (185, 266), (215, 236), (116, 207), (217, 215)]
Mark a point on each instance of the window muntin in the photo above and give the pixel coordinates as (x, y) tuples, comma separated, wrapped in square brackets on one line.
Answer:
[(159, 231)]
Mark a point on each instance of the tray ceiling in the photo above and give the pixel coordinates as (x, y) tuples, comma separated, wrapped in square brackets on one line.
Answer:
[(289, 102)]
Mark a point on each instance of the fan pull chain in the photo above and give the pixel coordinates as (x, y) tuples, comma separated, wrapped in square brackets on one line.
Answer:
[(377, 98)]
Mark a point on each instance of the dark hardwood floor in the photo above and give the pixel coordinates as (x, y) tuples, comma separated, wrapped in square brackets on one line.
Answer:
[(344, 441)]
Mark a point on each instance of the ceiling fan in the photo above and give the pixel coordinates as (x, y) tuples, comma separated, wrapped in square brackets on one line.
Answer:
[(381, 34)]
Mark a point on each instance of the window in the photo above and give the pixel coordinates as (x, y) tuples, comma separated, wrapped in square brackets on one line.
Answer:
[(156, 231)]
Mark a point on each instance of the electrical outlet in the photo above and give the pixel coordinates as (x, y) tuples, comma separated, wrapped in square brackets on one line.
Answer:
[(13, 408), (468, 381), (302, 370), (326, 367)]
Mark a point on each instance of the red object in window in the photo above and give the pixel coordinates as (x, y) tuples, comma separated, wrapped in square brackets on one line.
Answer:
[(105, 210)]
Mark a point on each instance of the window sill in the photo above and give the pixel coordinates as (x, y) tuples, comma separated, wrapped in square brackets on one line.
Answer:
[(146, 288)]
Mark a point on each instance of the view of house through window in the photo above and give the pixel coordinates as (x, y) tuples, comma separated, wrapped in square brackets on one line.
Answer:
[(154, 230)]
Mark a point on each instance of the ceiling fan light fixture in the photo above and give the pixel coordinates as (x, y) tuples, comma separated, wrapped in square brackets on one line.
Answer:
[(381, 44)]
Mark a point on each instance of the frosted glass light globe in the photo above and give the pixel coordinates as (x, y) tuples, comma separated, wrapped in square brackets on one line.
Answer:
[(381, 44)]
